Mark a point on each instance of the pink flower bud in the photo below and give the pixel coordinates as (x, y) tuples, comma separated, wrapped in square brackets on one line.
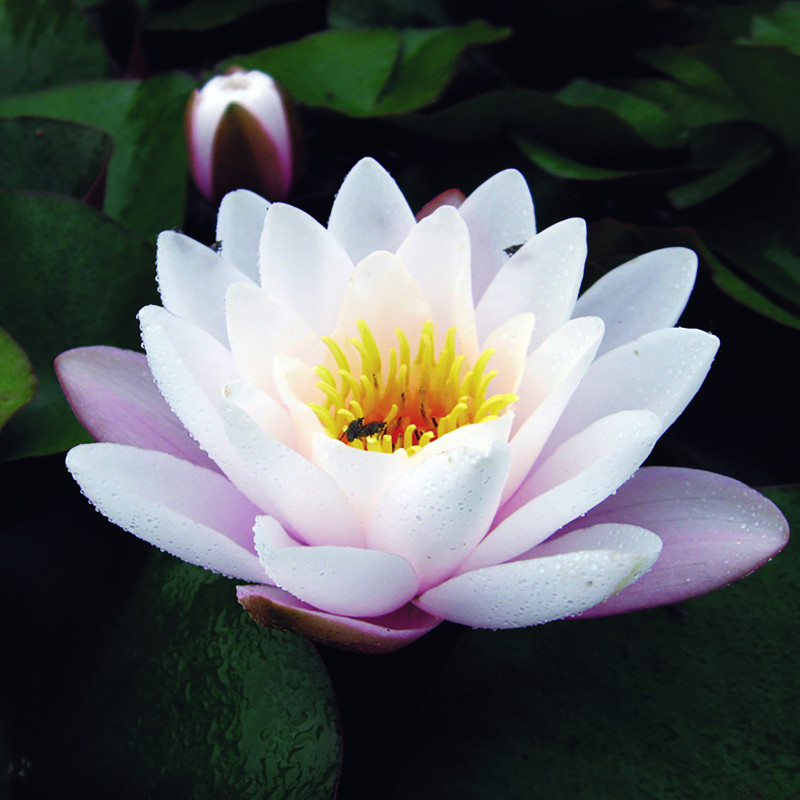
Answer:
[(240, 135)]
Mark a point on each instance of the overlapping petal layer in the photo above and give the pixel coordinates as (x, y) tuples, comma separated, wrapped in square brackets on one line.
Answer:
[(397, 422)]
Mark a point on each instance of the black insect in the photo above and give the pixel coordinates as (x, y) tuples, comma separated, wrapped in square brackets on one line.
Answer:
[(358, 430), (511, 249)]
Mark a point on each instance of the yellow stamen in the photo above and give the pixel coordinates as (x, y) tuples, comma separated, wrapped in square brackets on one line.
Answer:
[(414, 403)]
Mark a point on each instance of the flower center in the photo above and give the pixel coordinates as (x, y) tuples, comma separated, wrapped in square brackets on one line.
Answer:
[(409, 404)]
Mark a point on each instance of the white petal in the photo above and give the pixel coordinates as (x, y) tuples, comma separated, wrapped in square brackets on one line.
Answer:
[(479, 436), (305, 498), (660, 372), (499, 214), (270, 416), (259, 328), (239, 224), (361, 475), (437, 255), (339, 580), (542, 278), (538, 590), (436, 514), (191, 512), (370, 212), (382, 293), (192, 280), (640, 296), (190, 368), (303, 266), (552, 374), (510, 342), (581, 473)]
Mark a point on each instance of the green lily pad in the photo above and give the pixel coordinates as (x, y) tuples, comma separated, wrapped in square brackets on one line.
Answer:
[(17, 382), (51, 155), (191, 699), (71, 277), (370, 72), (659, 705), (780, 28), (146, 188), (46, 43)]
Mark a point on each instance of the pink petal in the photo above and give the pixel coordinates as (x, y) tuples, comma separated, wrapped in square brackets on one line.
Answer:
[(193, 513), (370, 212), (640, 296), (113, 394), (450, 197), (499, 214), (538, 590), (715, 530), (274, 608), (350, 581)]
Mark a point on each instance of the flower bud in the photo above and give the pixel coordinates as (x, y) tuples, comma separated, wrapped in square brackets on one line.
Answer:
[(240, 135)]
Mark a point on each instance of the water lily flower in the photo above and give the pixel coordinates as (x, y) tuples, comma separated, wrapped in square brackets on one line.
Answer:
[(240, 134), (387, 423)]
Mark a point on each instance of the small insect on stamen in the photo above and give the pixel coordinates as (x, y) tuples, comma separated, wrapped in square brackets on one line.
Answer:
[(358, 430)]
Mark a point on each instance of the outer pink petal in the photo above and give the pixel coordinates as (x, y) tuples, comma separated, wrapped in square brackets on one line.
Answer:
[(500, 215), (370, 212), (191, 512), (449, 197), (113, 394), (274, 608), (350, 581), (520, 593), (715, 530), (640, 296)]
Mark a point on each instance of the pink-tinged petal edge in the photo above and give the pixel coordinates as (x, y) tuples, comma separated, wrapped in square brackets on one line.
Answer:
[(715, 531), (112, 393), (275, 608)]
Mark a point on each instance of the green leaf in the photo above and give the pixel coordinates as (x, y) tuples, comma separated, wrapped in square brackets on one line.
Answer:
[(370, 72), (17, 382), (660, 704), (201, 15), (146, 188), (51, 155), (354, 14), (764, 79), (549, 121), (192, 699), (652, 123), (45, 43), (71, 277), (561, 166), (781, 28)]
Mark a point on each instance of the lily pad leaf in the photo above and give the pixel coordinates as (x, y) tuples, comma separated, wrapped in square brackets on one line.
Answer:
[(17, 382), (701, 707), (560, 165), (145, 121), (371, 72), (46, 43), (71, 277), (52, 155), (780, 28), (191, 699)]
